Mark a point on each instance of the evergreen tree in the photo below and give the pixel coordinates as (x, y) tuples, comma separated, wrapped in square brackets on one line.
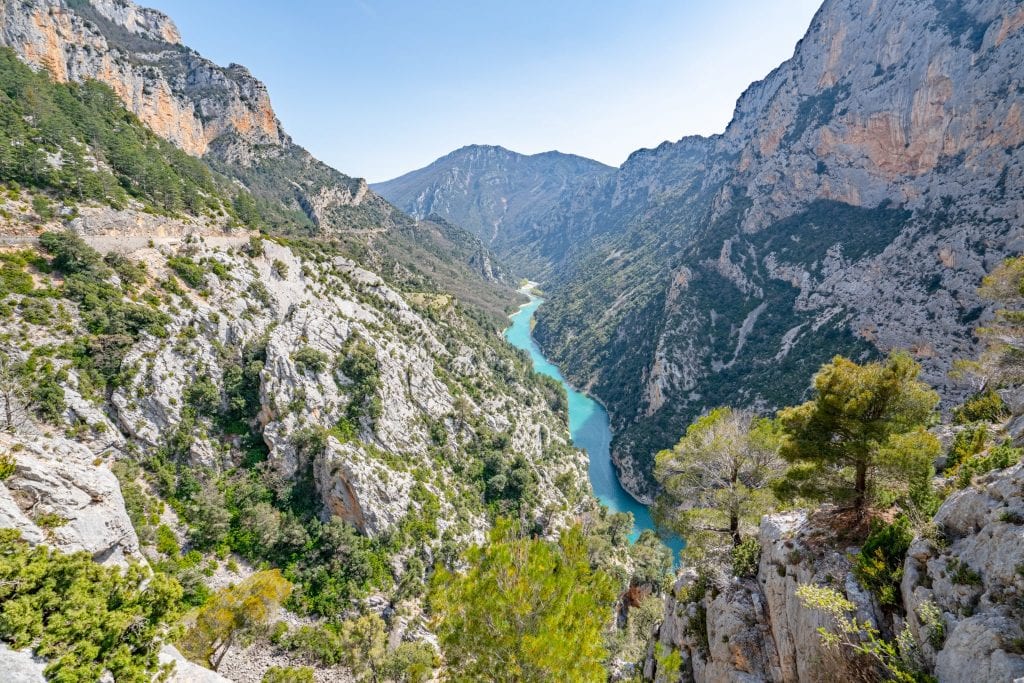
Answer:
[(715, 479), (212, 628), (837, 440), (525, 610)]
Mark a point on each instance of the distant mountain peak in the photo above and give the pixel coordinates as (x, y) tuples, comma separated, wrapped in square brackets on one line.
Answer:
[(496, 193)]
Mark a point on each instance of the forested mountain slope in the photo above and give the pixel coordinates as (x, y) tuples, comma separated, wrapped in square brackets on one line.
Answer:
[(851, 206), (224, 116)]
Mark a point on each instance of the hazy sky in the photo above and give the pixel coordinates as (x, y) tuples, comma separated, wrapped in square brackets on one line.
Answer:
[(379, 88)]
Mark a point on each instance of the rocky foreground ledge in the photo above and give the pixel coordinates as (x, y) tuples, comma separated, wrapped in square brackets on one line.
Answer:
[(962, 593)]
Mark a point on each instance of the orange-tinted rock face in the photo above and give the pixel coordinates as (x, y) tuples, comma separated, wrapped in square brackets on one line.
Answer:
[(73, 47)]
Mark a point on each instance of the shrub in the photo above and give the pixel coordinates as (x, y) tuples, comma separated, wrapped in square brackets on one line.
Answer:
[(288, 674), (360, 365), (166, 541), (71, 254), (13, 277), (997, 458), (931, 618), (961, 573), (204, 396), (8, 466), (985, 406), (966, 443), (308, 359), (42, 206), (255, 247), (745, 558), (188, 270), (860, 643), (83, 617), (879, 565), (279, 268)]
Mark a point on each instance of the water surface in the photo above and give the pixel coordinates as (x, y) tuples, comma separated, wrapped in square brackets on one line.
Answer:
[(588, 427)]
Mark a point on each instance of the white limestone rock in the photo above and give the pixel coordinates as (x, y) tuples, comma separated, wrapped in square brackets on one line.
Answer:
[(62, 477)]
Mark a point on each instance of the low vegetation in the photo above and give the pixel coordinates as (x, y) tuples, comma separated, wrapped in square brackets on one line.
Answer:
[(82, 617)]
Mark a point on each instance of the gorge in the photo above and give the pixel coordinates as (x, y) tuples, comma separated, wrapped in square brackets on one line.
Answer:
[(588, 425), (265, 422)]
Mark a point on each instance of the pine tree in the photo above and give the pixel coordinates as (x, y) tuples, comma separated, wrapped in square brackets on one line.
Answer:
[(212, 628), (836, 440), (526, 610), (716, 477)]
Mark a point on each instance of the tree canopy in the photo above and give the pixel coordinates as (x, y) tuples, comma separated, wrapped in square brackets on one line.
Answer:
[(839, 441), (714, 481), (83, 617), (525, 610), (212, 628)]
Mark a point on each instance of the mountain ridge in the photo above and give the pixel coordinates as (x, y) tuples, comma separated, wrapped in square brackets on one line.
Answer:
[(498, 194)]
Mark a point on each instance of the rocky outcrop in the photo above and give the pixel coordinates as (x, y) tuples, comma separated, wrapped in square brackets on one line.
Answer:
[(138, 52), (964, 595), (357, 489), (306, 322), (61, 494), (961, 598), (757, 629)]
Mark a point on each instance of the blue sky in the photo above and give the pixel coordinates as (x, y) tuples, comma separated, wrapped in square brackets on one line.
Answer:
[(379, 88)]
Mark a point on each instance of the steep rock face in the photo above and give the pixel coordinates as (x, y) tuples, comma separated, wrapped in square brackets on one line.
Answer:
[(961, 598), (976, 582), (221, 113), (138, 52), (308, 322), (56, 476), (501, 196), (757, 629), (851, 206)]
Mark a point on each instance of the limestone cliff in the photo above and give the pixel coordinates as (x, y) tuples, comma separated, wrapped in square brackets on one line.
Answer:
[(221, 113), (851, 206), (960, 594), (138, 52)]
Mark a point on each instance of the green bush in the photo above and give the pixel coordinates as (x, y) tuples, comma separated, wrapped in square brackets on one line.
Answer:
[(288, 674), (42, 206), (166, 541), (985, 406), (83, 617), (879, 565), (998, 457), (8, 466), (359, 364), (204, 396), (960, 573), (71, 254), (14, 279), (188, 270), (527, 606), (966, 444), (746, 557), (308, 359)]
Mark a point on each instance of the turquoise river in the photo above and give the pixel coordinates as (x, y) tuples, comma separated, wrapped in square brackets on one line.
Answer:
[(588, 426)]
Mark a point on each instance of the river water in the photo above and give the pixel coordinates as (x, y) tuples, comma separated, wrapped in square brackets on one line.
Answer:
[(588, 426)]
